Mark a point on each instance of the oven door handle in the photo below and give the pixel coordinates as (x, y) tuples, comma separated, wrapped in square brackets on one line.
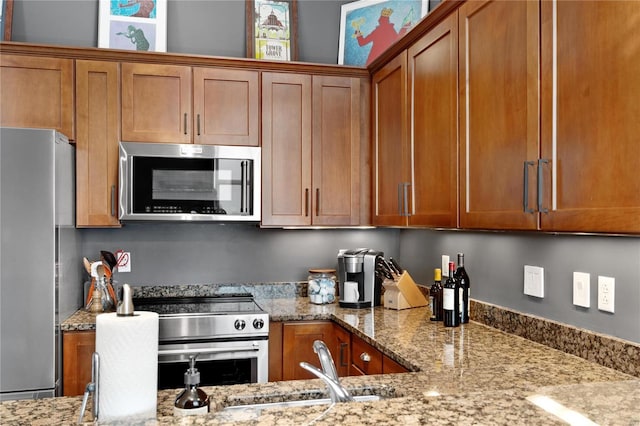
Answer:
[(207, 351)]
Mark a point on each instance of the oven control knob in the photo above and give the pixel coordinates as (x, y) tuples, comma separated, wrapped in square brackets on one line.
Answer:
[(239, 324), (258, 323)]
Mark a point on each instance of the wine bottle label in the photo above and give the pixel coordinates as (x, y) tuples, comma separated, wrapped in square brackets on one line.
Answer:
[(190, 411), (448, 301), (433, 312)]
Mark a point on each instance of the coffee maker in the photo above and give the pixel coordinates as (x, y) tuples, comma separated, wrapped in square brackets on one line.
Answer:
[(359, 265)]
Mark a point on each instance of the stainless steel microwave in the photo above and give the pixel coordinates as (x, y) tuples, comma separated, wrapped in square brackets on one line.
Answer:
[(182, 182)]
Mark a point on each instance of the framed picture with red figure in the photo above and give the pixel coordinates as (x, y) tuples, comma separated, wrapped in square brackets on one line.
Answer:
[(369, 27)]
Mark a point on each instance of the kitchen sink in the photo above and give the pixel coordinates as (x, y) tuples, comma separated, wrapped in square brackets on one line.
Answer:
[(296, 403)]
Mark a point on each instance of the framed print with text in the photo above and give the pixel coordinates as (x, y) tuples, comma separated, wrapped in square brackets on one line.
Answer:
[(133, 25), (272, 29)]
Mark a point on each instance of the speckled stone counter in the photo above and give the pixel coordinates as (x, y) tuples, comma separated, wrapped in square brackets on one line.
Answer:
[(472, 374)]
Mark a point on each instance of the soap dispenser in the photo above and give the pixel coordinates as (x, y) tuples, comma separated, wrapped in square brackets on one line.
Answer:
[(192, 400)]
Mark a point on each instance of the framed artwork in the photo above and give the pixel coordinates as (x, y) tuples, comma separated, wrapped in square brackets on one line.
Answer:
[(133, 25), (6, 16), (369, 27), (272, 29)]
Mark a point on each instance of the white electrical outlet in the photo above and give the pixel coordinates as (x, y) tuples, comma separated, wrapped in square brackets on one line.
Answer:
[(606, 293), (445, 265), (534, 281), (581, 289)]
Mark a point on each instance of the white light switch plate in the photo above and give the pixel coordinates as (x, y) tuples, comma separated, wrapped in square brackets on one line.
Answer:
[(606, 293), (581, 289), (534, 281)]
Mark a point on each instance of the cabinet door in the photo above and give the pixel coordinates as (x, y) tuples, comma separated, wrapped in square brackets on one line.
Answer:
[(591, 116), (78, 348), (336, 151), (433, 88), (286, 149), (298, 338), (37, 92), (390, 150), (156, 103), (226, 103), (499, 68), (98, 133)]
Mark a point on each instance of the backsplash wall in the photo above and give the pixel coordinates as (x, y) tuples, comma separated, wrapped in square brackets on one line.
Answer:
[(495, 261), (170, 254), (190, 253)]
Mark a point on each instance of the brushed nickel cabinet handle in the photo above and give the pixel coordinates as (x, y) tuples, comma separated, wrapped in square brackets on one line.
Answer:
[(317, 201), (113, 200), (525, 200), (185, 123), (406, 198), (541, 209), (343, 358), (198, 120), (306, 201), (365, 357)]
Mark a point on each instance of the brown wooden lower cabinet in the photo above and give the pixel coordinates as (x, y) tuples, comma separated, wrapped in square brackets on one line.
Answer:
[(77, 349), (298, 338), (292, 342)]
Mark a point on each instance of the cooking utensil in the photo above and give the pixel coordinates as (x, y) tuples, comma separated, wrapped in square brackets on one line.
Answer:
[(108, 258)]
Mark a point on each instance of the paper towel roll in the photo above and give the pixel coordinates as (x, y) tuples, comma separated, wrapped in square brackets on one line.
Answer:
[(128, 350)]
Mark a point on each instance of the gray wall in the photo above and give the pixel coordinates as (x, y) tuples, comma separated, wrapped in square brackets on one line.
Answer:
[(495, 262), (187, 253), (213, 27)]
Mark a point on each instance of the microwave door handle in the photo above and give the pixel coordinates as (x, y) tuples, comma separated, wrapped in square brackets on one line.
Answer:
[(203, 351), (243, 186)]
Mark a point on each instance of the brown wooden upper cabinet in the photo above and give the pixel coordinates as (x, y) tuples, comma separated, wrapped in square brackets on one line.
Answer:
[(591, 116), (37, 92), (98, 133), (498, 82), (415, 138), (181, 104), (549, 116), (310, 150), (390, 149), (433, 136)]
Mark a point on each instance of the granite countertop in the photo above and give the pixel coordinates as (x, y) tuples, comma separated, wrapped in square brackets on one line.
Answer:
[(472, 374)]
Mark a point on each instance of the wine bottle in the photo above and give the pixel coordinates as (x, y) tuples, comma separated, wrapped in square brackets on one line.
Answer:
[(435, 296), (192, 400), (463, 280), (450, 299)]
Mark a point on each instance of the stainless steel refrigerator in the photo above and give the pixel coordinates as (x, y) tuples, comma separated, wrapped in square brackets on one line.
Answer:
[(39, 247)]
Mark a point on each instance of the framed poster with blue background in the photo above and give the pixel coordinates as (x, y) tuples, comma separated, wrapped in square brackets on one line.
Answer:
[(133, 25), (369, 27)]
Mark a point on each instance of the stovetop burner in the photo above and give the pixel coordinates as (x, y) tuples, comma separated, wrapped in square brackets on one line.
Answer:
[(223, 304)]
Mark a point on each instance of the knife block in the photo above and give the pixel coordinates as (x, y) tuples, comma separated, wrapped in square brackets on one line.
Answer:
[(402, 293)]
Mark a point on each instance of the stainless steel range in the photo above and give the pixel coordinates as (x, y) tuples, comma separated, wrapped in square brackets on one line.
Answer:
[(229, 333)]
